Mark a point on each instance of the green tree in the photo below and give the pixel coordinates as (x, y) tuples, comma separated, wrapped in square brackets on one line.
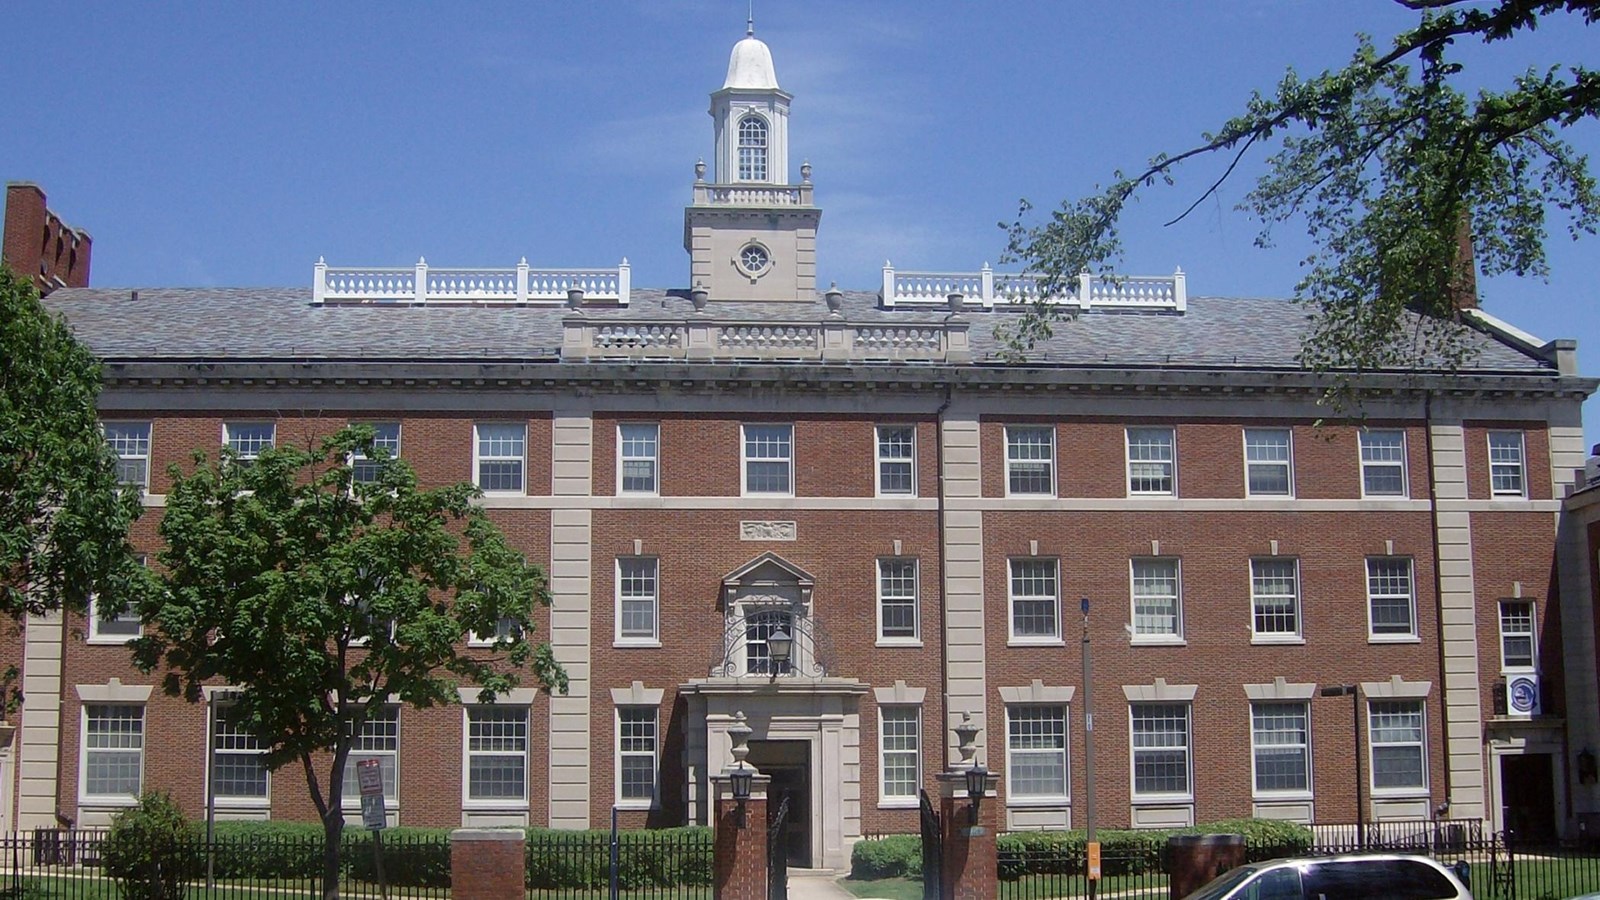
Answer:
[(1389, 162), (64, 517), (316, 598)]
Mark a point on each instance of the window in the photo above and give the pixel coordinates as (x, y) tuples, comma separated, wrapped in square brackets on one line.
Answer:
[(1506, 464), (897, 599), (131, 442), (1391, 605), (1383, 463), (1280, 747), (758, 627), (501, 455), (506, 628), (769, 459), (639, 447), (636, 755), (113, 755), (1030, 460), (119, 629), (1151, 463), (1268, 466), (238, 771), (248, 439), (1035, 600), (752, 149), (897, 446), (899, 742), (754, 259), (380, 740), (1516, 635), (1395, 733), (1036, 752), (1275, 597), (1160, 749), (385, 437), (1156, 610), (497, 753), (637, 599)]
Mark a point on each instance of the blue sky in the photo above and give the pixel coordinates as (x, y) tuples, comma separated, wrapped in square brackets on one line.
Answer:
[(233, 144)]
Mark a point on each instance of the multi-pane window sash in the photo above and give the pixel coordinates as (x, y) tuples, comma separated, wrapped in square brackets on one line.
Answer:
[(1275, 596), (752, 149), (896, 459), (769, 459), (1160, 748), (1390, 600), (1267, 459), (502, 455), (1030, 460), (238, 771), (248, 439), (1383, 463), (1036, 752), (120, 628), (758, 627), (1280, 743), (1516, 635), (497, 753), (1151, 463), (1396, 734), (1506, 464), (1156, 608), (897, 599), (131, 442), (113, 759), (385, 437), (636, 753), (379, 739), (1035, 599), (637, 598), (640, 457), (901, 751)]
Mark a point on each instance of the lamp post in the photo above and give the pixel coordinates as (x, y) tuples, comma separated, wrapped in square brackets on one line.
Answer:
[(1354, 693), (780, 646), (741, 776)]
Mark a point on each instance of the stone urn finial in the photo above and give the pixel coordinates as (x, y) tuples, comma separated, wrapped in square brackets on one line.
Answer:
[(805, 171), (956, 299), (699, 170), (699, 296), (739, 735), (966, 739), (575, 297), (835, 298)]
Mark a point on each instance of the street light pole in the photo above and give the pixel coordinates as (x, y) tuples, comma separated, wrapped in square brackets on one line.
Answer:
[(1088, 744), (1354, 692)]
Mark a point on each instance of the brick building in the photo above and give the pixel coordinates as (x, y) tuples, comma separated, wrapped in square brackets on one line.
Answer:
[(701, 470), (39, 245)]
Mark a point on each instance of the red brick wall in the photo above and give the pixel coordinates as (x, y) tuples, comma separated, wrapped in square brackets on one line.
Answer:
[(1535, 450), (38, 245)]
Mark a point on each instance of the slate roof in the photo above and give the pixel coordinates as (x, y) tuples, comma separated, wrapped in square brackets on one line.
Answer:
[(220, 324)]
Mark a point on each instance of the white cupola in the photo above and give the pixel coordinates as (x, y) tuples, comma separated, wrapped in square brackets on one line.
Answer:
[(752, 118)]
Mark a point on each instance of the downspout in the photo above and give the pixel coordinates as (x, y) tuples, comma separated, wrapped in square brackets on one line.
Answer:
[(944, 575), (1438, 586)]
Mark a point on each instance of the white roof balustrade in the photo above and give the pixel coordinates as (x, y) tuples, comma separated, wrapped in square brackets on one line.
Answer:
[(987, 289), (425, 285)]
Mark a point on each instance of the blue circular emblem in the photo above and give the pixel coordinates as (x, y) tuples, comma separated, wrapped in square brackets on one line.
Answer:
[(1524, 696)]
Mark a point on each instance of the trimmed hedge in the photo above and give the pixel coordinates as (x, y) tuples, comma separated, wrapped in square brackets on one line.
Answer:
[(894, 856), (662, 857)]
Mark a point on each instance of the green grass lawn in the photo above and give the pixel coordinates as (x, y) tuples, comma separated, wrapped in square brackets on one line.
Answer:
[(886, 888), (1033, 887)]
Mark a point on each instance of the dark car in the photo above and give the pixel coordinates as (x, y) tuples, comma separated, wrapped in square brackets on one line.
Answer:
[(1355, 877)]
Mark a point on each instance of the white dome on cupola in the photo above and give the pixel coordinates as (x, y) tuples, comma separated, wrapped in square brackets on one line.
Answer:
[(750, 66)]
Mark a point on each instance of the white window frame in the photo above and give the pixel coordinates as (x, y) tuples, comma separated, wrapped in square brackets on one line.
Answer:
[(1286, 464), (910, 460), (468, 754), (1421, 744), (624, 457), (757, 166), (1012, 598), (745, 459), (131, 441), (1532, 636), (1013, 796), (475, 639), (654, 716), (915, 599), (98, 636), (1049, 460), (653, 566), (391, 797), (1134, 750), (899, 801), (1171, 462), (128, 799), (1520, 464), (1175, 636), (254, 749), (1256, 597), (359, 457), (1402, 463), (1374, 636), (1256, 746), (228, 438), (478, 459)]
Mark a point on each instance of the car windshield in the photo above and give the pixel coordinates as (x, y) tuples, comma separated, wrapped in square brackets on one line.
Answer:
[(1222, 884)]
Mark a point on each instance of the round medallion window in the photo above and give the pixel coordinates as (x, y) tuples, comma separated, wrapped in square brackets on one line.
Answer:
[(754, 259)]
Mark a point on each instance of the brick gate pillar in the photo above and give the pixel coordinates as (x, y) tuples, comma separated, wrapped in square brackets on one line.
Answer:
[(1194, 859), (739, 853), (488, 863), (970, 859)]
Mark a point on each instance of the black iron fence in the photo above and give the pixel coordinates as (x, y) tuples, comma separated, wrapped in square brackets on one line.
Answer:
[(649, 865), (1033, 873)]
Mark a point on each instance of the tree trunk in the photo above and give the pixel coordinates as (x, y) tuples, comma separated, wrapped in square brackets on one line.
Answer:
[(332, 836)]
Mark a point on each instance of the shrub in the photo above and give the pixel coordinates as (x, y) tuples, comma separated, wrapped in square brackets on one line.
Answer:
[(1130, 852), (266, 850), (894, 856), (582, 859), (149, 850), (413, 857)]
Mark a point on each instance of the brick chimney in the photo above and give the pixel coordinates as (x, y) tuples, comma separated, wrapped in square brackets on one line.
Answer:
[(38, 245), (1464, 280)]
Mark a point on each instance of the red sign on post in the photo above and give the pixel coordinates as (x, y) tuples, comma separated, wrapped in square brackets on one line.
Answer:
[(369, 774)]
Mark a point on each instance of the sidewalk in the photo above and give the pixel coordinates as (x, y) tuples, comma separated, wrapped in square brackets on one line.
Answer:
[(819, 886)]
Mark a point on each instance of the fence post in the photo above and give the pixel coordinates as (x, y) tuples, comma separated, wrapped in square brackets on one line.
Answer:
[(614, 854), (739, 854), (971, 859), (1194, 859), (488, 863)]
